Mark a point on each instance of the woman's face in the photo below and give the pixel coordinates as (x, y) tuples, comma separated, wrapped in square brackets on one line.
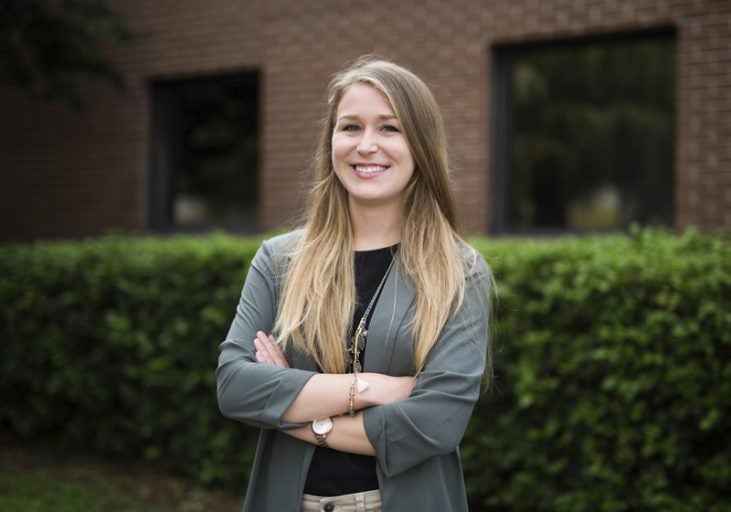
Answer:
[(370, 154)]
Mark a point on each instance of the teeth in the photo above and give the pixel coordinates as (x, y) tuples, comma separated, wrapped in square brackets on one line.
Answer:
[(370, 168)]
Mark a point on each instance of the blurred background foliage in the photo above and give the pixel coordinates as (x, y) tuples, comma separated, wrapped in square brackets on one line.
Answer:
[(612, 355), (46, 46)]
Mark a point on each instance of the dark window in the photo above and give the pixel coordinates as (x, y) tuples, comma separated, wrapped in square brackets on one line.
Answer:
[(204, 154), (584, 134)]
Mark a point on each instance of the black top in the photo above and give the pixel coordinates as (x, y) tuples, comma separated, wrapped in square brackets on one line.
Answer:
[(332, 472)]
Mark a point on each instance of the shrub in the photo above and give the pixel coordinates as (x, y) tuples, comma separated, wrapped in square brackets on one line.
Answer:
[(111, 344), (613, 371), (613, 377)]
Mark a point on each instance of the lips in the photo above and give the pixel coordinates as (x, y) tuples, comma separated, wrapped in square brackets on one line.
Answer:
[(369, 170)]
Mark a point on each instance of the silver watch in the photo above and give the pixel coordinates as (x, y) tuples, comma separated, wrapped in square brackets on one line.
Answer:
[(322, 428)]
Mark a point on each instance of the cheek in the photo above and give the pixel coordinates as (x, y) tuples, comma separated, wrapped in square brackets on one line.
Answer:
[(403, 153), (340, 149)]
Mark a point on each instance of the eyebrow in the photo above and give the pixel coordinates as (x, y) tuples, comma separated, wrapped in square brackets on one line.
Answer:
[(353, 116)]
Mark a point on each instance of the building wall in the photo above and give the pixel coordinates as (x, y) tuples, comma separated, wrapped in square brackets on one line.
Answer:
[(68, 174)]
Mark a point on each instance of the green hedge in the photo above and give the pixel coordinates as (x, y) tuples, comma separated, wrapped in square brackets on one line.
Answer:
[(111, 344), (613, 364), (613, 377)]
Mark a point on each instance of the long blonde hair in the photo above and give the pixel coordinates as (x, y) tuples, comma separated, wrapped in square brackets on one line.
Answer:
[(319, 295)]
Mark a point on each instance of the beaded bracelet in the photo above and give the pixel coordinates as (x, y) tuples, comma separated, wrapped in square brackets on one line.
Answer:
[(351, 397)]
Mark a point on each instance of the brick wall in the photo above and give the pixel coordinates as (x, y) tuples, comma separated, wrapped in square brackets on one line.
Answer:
[(73, 174)]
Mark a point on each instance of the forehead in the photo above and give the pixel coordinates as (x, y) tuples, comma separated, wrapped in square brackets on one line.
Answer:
[(360, 98)]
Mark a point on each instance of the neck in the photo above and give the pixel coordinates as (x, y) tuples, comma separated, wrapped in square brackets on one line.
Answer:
[(375, 227)]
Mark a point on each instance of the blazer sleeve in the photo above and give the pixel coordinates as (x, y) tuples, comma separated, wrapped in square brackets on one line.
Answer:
[(254, 393), (433, 419)]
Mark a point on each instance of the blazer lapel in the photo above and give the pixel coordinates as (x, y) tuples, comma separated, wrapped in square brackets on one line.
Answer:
[(388, 332), (388, 346)]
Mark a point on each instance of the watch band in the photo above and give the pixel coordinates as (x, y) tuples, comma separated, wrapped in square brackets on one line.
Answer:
[(321, 441)]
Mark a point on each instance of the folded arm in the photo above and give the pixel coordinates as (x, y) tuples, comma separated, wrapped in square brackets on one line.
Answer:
[(327, 395), (267, 393), (432, 420)]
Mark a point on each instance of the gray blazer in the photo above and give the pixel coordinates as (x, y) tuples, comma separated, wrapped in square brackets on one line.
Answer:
[(416, 440)]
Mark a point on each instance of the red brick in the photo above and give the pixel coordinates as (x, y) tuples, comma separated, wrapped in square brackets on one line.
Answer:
[(75, 174)]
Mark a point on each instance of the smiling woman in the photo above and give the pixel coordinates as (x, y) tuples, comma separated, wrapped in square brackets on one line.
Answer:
[(379, 270), (371, 157)]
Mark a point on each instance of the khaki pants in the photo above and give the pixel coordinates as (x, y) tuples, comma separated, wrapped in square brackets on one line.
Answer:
[(369, 501)]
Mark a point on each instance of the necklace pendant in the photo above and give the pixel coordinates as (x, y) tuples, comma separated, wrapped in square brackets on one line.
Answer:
[(361, 338), (358, 341)]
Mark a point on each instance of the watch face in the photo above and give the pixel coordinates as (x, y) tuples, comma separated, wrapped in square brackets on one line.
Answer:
[(322, 426)]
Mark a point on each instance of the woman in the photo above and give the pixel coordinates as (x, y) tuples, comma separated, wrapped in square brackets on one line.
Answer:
[(378, 311)]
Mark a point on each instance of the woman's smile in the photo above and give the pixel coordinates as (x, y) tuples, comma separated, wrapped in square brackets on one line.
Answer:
[(370, 154), (369, 171)]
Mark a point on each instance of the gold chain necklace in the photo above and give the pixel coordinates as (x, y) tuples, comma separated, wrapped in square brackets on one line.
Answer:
[(361, 333)]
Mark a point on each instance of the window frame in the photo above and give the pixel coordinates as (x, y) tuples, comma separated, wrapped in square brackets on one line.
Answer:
[(164, 115), (503, 55)]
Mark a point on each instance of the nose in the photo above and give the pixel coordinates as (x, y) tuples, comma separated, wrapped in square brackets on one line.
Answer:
[(367, 143)]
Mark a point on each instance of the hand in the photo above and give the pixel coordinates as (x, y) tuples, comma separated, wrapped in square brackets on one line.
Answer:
[(268, 350)]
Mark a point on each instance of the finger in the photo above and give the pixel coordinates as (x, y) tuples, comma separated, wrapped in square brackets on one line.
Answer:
[(269, 345), (262, 343), (275, 351), (262, 355)]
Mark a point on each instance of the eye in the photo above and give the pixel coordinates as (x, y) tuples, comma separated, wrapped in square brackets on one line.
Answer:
[(350, 128), (390, 128)]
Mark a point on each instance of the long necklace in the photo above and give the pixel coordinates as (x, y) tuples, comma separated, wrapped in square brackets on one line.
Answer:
[(361, 333)]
